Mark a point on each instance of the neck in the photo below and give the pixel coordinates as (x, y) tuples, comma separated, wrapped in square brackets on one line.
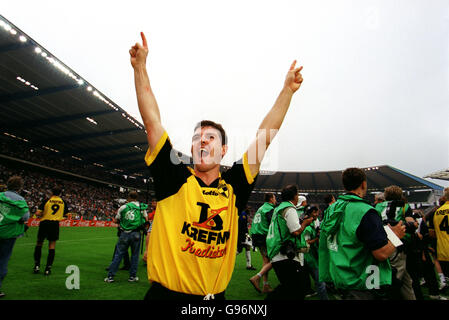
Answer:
[(358, 192), (208, 176)]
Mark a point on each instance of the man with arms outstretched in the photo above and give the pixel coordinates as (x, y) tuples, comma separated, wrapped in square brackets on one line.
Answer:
[(194, 237)]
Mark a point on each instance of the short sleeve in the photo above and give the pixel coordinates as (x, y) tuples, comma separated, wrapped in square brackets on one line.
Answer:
[(371, 231), (241, 180), (166, 168), (291, 217)]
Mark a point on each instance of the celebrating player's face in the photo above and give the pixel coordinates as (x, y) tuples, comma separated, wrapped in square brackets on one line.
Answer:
[(207, 150)]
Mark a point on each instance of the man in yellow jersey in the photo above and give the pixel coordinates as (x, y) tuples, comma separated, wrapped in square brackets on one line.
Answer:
[(439, 228), (193, 240), (51, 211)]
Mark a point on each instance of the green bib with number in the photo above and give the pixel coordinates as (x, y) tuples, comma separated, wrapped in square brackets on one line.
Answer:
[(260, 222), (131, 217)]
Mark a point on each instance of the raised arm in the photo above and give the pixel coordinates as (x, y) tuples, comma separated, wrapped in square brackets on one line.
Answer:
[(273, 120), (146, 101)]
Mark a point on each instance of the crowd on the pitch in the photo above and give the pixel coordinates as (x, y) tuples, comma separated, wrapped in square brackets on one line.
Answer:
[(412, 265)]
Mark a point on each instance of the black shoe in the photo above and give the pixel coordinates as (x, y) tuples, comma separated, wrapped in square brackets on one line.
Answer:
[(250, 268), (2, 294), (47, 271), (36, 269)]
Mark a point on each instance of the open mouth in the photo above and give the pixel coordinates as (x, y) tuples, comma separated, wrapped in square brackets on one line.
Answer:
[(204, 153)]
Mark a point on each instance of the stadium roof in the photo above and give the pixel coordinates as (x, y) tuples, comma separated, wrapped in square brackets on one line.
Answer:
[(330, 181), (49, 105), (46, 104)]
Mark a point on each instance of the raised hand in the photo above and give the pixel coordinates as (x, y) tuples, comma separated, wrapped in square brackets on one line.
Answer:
[(294, 78), (139, 53)]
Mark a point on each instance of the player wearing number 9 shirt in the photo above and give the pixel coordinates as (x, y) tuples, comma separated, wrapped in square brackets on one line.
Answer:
[(51, 211)]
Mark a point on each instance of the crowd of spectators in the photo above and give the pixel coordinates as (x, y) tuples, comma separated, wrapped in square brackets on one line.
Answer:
[(85, 200), (16, 148)]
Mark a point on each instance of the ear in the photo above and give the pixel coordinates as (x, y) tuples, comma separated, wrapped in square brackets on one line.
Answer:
[(365, 185), (224, 150)]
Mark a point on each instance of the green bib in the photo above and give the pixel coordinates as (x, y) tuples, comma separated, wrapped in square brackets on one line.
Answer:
[(399, 215), (11, 211), (350, 264), (311, 257), (131, 217), (260, 222), (278, 231)]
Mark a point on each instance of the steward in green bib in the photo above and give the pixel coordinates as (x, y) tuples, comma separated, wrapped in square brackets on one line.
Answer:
[(13, 215), (132, 217), (13, 208), (262, 219), (258, 231), (357, 247), (285, 246), (279, 233), (392, 211)]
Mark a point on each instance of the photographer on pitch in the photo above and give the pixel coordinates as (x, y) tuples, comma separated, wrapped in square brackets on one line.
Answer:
[(285, 247), (393, 210), (131, 218)]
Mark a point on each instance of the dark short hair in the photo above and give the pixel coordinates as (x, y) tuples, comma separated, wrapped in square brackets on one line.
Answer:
[(393, 193), (268, 197), (289, 192), (353, 178), (56, 190), (328, 198), (209, 123), (15, 183), (133, 195), (309, 210)]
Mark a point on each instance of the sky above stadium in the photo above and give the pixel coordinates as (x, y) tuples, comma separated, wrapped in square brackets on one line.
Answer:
[(376, 73)]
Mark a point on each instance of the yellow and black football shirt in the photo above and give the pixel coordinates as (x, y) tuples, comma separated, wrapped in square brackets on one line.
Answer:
[(439, 222), (193, 242), (53, 209)]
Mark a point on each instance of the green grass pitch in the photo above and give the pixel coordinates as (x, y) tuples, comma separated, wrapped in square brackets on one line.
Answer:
[(91, 249)]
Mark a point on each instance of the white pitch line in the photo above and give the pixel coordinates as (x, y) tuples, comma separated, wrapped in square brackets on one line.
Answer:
[(59, 241)]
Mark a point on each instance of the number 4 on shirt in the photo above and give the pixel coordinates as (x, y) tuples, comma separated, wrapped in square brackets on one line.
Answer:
[(444, 225)]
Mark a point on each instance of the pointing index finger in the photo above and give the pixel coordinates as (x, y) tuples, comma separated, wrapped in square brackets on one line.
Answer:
[(293, 65), (144, 40)]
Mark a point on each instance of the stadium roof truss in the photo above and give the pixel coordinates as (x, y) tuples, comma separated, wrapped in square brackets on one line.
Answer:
[(46, 104)]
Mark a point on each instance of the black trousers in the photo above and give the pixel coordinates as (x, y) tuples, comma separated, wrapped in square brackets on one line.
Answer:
[(418, 268), (160, 293), (291, 276)]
